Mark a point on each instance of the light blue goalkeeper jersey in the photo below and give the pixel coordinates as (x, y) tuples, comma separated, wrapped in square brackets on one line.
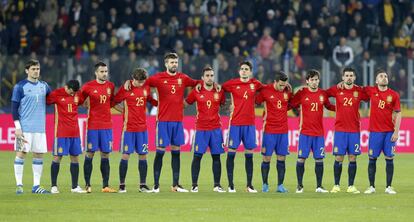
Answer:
[(32, 108)]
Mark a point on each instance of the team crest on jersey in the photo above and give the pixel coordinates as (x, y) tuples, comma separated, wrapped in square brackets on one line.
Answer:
[(251, 86), (108, 90), (60, 150), (285, 96), (336, 149), (89, 146), (126, 148), (216, 96), (179, 81), (389, 99), (356, 94), (321, 98), (145, 93)]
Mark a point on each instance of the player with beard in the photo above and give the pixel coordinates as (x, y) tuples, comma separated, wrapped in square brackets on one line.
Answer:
[(208, 128), (348, 97), (384, 126), (311, 100), (99, 95)]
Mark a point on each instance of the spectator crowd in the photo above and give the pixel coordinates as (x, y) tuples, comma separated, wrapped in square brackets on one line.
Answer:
[(269, 33)]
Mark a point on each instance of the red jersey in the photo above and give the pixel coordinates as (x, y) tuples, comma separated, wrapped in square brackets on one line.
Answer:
[(135, 109), (275, 109), (347, 107), (383, 104), (208, 107), (242, 98), (170, 90), (311, 110), (100, 102), (66, 112)]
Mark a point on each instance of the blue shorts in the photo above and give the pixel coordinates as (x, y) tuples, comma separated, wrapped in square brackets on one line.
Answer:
[(134, 142), (279, 143), (314, 143), (99, 140), (67, 145), (245, 134), (381, 142), (346, 143), (208, 138), (169, 133)]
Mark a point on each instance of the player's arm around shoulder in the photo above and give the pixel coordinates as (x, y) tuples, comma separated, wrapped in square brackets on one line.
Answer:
[(51, 98), (259, 85), (259, 98), (296, 97), (396, 117), (119, 95), (331, 92), (191, 98), (150, 99), (227, 86), (328, 105)]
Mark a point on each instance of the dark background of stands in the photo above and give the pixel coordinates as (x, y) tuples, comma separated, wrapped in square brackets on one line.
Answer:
[(68, 37)]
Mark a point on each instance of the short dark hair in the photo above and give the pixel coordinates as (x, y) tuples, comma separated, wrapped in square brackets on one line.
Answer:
[(170, 55), (73, 84), (139, 74), (311, 73), (249, 64), (348, 69), (99, 64), (280, 75), (380, 70), (207, 68), (32, 62)]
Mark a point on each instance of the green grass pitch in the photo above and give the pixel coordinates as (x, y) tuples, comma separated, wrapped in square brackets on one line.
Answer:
[(206, 205)]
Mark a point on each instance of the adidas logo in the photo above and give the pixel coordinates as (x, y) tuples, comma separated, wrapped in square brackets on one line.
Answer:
[(165, 81), (306, 99), (63, 99), (238, 87), (272, 97), (132, 94), (341, 93), (202, 96), (95, 91)]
